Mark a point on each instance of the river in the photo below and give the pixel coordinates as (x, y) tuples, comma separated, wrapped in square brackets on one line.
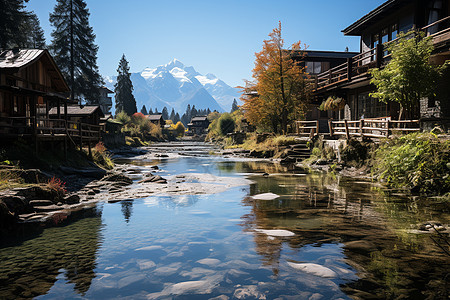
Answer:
[(258, 231)]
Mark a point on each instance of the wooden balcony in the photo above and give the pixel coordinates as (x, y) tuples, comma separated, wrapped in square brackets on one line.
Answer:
[(43, 129), (357, 67)]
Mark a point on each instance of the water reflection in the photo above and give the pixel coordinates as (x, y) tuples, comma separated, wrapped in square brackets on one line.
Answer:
[(32, 267), (127, 209)]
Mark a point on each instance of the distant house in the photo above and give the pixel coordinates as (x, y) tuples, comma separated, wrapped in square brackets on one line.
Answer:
[(105, 101), (89, 114), (198, 125), (157, 119), (30, 85)]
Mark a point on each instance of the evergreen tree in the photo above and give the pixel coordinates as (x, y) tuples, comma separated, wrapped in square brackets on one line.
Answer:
[(144, 110), (172, 115), (156, 110), (194, 112), (165, 113), (70, 18), (208, 111), (36, 37), (234, 106), (176, 119), (150, 112), (123, 89), (12, 14)]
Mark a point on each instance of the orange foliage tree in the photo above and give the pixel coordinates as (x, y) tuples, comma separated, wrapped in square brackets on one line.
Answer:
[(278, 95)]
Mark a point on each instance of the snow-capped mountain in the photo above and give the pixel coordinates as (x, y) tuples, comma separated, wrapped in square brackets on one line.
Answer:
[(175, 85)]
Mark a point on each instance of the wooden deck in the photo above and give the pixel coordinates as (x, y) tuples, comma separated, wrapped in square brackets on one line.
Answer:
[(49, 130)]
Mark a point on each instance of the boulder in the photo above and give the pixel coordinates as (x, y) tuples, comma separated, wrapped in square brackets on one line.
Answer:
[(154, 179), (118, 178), (35, 203)]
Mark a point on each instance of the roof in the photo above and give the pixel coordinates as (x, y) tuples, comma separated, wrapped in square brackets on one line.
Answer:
[(108, 91), (76, 110), (155, 117), (199, 118), (327, 54), (374, 16), (16, 59)]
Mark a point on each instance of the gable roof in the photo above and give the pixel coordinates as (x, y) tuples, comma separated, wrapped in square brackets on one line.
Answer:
[(16, 59), (155, 117), (199, 118), (374, 16), (76, 110)]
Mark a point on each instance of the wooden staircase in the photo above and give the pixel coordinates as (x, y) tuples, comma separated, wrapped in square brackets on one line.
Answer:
[(297, 152)]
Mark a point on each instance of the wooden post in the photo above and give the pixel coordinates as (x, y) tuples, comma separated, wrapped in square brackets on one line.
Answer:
[(349, 68), (317, 127), (90, 150), (330, 125), (329, 76), (80, 132), (316, 82), (388, 125), (346, 130), (35, 137), (379, 54), (361, 126)]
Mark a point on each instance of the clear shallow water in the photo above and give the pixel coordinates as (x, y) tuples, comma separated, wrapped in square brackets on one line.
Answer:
[(337, 241)]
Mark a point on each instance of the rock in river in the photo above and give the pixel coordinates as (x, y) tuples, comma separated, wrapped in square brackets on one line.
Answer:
[(314, 269)]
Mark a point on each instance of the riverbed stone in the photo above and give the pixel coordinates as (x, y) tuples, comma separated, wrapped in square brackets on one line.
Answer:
[(361, 246), (35, 203)]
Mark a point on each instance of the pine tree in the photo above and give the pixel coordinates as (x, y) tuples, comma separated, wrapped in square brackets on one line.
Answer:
[(70, 18), (176, 119), (234, 106), (36, 39), (123, 89), (150, 112), (156, 110), (208, 111), (144, 110), (165, 113), (194, 112), (172, 115), (12, 14)]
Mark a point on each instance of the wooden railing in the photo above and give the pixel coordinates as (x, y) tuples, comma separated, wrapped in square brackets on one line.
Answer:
[(372, 128), (307, 128), (43, 127), (358, 65)]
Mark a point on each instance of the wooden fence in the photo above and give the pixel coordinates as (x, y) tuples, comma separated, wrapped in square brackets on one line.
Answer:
[(307, 128), (372, 128)]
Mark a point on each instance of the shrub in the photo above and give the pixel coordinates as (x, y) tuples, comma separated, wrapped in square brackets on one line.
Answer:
[(179, 129), (123, 118), (418, 161), (226, 124), (57, 185)]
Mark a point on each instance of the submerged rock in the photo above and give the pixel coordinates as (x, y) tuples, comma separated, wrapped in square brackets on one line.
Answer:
[(276, 232), (314, 269), (266, 196)]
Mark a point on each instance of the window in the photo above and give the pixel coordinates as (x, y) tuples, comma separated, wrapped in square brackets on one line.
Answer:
[(394, 32), (313, 67), (434, 13)]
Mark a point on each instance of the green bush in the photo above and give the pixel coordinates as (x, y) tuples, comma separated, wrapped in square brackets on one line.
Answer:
[(123, 118), (226, 124), (418, 161)]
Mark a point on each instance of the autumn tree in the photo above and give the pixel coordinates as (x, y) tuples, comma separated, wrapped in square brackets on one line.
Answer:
[(408, 76), (278, 94)]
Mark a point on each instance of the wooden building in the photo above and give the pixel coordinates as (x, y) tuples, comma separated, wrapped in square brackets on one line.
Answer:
[(157, 119), (376, 29), (89, 114), (30, 85), (198, 125), (105, 101)]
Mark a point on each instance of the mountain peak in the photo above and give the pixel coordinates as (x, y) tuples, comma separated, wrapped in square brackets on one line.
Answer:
[(175, 63)]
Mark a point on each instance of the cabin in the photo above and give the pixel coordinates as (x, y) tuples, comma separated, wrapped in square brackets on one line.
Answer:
[(30, 85), (105, 101), (157, 119), (376, 30), (89, 114), (198, 125)]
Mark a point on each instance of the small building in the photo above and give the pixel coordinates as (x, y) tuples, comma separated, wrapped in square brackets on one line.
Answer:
[(157, 119), (30, 85), (198, 125), (89, 114), (105, 101)]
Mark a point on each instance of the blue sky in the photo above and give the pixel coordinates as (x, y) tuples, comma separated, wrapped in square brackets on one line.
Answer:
[(219, 37)]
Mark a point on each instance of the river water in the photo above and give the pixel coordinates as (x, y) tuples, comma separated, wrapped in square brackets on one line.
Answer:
[(309, 236)]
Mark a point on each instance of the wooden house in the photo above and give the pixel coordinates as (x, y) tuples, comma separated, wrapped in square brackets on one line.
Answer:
[(157, 119), (30, 85), (89, 114), (376, 30), (105, 101), (198, 125)]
